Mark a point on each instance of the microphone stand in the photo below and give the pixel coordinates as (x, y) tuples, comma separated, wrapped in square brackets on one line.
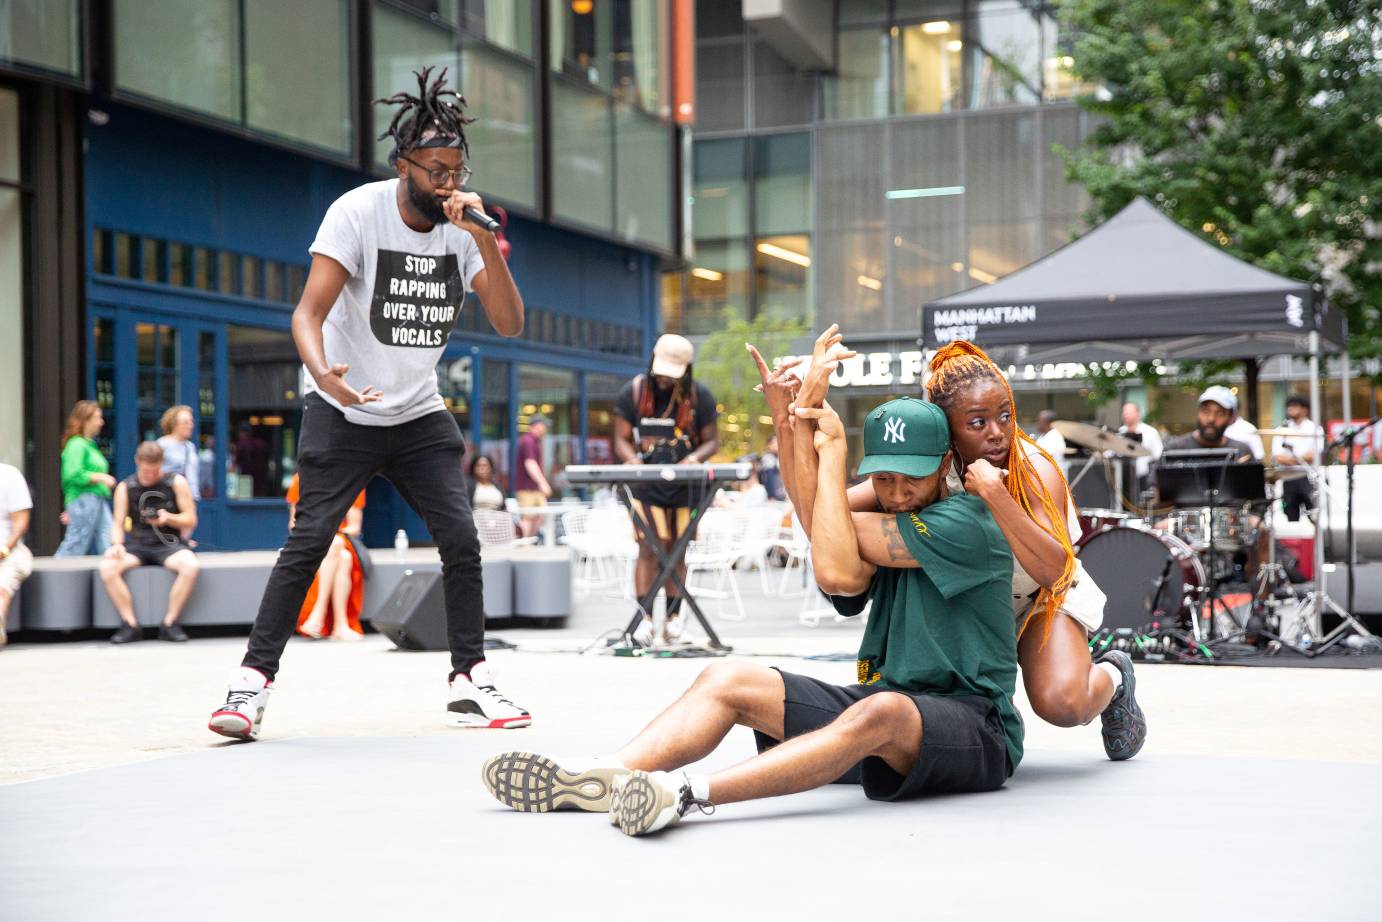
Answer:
[(1349, 622)]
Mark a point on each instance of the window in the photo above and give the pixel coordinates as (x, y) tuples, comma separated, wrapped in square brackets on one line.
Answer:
[(297, 71), (156, 364), (454, 377), (151, 259), (782, 276), (103, 349), (782, 183), (206, 414), (265, 412), (45, 34), (718, 280), (610, 141), (637, 68), (1005, 52), (495, 416), (643, 177), (601, 394), (553, 393), (582, 35), (228, 273), (184, 52), (859, 89), (498, 86), (719, 189), (582, 157), (927, 68)]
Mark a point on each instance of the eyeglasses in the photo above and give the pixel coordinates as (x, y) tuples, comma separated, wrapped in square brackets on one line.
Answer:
[(438, 177)]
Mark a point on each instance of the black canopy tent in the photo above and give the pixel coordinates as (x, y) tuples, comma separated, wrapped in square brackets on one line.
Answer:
[(1141, 287), (1137, 287)]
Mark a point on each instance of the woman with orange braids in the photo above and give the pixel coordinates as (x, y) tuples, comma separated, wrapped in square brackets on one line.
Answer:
[(1056, 603)]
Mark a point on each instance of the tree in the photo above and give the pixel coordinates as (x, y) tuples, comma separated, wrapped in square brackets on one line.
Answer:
[(724, 366), (1257, 123)]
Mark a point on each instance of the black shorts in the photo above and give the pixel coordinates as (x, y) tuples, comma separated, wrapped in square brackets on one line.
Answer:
[(154, 555), (963, 749)]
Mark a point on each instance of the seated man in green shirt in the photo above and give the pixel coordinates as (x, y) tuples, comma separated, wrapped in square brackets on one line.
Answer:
[(933, 708)]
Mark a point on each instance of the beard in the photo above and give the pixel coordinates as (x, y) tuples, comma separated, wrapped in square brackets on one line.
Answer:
[(427, 203), (1211, 433)]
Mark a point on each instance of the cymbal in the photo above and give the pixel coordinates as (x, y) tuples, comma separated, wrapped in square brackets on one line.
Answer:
[(1282, 473), (1096, 439)]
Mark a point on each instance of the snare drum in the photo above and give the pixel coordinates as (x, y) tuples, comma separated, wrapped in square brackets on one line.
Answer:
[(1128, 562), (1231, 528)]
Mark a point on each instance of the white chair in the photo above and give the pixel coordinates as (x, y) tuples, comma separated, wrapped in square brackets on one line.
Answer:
[(762, 527), (718, 544), (798, 549), (496, 529)]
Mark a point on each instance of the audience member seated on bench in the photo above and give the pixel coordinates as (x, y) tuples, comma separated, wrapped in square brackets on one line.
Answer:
[(337, 594), (15, 559), (152, 512)]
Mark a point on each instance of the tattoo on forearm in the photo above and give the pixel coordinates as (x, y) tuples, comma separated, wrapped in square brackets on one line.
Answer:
[(892, 541)]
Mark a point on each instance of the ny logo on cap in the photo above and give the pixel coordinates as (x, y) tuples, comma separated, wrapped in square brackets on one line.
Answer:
[(893, 432)]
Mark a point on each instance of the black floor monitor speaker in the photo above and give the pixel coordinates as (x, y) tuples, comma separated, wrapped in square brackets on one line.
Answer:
[(414, 617)]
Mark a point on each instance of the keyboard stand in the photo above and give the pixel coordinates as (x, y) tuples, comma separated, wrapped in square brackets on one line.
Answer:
[(647, 536)]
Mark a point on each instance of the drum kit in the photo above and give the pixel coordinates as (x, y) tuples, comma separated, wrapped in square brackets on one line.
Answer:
[(1166, 563)]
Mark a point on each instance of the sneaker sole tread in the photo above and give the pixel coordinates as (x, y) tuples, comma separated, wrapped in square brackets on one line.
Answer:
[(531, 783), (640, 804)]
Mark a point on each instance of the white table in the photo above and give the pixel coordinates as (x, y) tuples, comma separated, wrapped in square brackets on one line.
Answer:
[(549, 513)]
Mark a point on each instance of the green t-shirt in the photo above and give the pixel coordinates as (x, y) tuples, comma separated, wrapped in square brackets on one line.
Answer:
[(80, 459), (947, 628)]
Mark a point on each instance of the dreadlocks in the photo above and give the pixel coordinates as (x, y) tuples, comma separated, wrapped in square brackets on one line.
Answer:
[(953, 369), (430, 114)]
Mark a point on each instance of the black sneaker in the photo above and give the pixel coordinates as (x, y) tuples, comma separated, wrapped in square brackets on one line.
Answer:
[(172, 632), (1125, 727), (128, 633)]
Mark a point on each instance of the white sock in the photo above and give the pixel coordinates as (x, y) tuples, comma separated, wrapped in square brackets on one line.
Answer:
[(1113, 673), (700, 785)]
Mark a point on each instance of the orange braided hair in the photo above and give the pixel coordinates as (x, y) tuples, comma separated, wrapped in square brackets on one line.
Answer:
[(960, 363)]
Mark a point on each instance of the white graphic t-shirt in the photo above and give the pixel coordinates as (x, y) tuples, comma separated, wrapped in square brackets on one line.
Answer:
[(403, 297)]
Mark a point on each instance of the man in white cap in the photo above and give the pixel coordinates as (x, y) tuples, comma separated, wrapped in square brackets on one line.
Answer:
[(1217, 406), (665, 416)]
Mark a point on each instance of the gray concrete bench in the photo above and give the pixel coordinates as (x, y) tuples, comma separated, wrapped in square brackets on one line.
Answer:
[(228, 591), (57, 595)]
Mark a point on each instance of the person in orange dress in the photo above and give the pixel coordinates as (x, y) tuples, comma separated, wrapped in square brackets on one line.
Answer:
[(334, 601)]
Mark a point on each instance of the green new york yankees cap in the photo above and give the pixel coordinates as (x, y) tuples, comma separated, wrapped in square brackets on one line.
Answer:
[(905, 436)]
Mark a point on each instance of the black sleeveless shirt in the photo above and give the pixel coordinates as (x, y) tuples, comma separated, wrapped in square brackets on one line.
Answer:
[(144, 503)]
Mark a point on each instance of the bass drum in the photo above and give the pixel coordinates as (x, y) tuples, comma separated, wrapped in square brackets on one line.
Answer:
[(1129, 561)]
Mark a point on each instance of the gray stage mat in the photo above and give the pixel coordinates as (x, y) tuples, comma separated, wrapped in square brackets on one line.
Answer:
[(360, 828)]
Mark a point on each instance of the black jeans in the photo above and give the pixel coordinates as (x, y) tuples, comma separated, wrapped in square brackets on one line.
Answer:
[(336, 458)]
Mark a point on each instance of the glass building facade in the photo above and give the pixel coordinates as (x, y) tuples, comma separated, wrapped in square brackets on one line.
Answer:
[(921, 160), (206, 141)]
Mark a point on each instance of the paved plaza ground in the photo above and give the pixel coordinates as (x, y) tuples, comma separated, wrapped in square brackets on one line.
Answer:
[(1257, 795)]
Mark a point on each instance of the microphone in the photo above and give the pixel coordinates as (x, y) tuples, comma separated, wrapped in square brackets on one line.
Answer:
[(482, 219), (1350, 432)]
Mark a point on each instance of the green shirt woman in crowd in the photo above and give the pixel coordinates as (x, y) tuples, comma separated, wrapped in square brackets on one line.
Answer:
[(86, 483)]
